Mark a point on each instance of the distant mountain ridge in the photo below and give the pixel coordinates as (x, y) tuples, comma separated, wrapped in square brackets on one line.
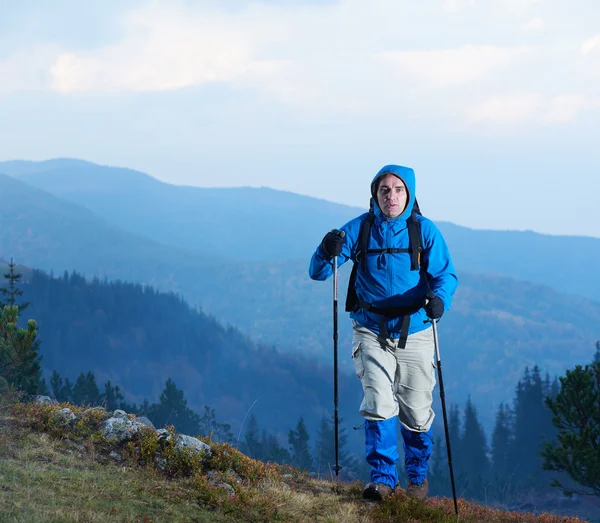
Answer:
[(497, 324), (251, 224)]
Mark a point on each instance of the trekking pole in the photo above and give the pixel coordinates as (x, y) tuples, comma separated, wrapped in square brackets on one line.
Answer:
[(443, 398), (335, 358)]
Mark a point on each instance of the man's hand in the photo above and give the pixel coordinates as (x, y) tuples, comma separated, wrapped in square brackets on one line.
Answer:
[(332, 243), (434, 307)]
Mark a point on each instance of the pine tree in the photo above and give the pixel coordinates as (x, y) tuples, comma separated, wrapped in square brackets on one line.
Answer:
[(501, 441), (12, 291), (473, 449), (324, 460), (597, 354), (112, 398), (86, 391), (576, 410), (252, 445), (299, 448), (208, 426), (20, 363), (454, 432), (439, 472), (273, 451), (173, 410), (66, 392)]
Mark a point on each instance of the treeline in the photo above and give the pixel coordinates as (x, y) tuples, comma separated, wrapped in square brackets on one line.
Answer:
[(552, 425), (137, 337), (549, 436), (172, 409)]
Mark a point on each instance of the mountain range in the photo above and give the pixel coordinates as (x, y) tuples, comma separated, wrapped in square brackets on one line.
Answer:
[(241, 254)]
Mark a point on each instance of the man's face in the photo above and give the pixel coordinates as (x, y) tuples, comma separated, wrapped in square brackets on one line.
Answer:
[(392, 196)]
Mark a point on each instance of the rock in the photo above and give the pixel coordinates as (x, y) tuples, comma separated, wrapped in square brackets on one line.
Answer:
[(145, 421), (188, 442), (120, 414), (64, 415), (45, 400), (116, 456), (228, 488), (119, 430), (163, 435), (160, 463)]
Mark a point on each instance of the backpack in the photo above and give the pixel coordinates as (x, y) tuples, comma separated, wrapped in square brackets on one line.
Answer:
[(415, 249)]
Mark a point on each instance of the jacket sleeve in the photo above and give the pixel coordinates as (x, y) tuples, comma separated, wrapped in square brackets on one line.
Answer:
[(440, 269), (321, 265)]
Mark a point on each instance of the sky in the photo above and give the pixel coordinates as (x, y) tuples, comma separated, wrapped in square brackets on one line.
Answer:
[(494, 103)]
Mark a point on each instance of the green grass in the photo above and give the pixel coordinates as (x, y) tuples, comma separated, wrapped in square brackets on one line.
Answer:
[(54, 473)]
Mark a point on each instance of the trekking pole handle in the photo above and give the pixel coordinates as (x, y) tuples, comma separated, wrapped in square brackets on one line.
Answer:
[(335, 268)]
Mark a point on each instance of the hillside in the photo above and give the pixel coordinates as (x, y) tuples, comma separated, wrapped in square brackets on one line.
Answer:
[(261, 224), (58, 471), (137, 338)]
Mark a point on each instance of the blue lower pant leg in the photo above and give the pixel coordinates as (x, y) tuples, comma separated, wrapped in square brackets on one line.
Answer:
[(417, 451), (381, 443)]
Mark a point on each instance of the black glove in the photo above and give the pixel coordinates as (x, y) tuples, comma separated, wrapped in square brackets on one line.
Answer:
[(434, 307), (332, 243)]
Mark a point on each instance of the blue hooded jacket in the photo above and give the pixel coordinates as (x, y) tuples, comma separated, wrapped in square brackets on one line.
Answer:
[(388, 280)]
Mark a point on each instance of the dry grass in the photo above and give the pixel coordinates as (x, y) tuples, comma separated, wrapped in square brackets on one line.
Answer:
[(50, 474)]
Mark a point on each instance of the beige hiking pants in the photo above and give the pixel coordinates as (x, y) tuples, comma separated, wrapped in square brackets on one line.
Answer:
[(396, 382)]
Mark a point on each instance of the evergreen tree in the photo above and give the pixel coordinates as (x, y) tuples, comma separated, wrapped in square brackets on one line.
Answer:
[(324, 461), (299, 448), (20, 364), (86, 391), (11, 292), (576, 410), (66, 392), (208, 426), (112, 398), (597, 354), (454, 432), (56, 385), (439, 472), (173, 410), (273, 451), (530, 428), (252, 445), (501, 442), (473, 449)]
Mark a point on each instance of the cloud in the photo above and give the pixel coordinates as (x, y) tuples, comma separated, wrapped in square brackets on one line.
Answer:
[(591, 45), (525, 108), (27, 69), (455, 67), (535, 24), (452, 6), (162, 49), (399, 56)]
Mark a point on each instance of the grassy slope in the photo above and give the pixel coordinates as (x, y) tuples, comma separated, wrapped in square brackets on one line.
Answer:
[(51, 473)]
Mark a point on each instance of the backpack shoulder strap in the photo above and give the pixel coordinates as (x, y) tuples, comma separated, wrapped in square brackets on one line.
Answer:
[(364, 234), (414, 235)]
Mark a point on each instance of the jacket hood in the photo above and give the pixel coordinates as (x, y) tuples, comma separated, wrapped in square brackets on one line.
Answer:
[(407, 175)]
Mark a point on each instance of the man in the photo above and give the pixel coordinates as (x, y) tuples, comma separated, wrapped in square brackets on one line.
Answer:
[(399, 290)]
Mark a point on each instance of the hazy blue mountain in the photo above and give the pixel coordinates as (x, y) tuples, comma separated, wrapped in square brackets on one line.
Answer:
[(43, 231), (138, 337), (244, 223), (260, 224), (497, 326)]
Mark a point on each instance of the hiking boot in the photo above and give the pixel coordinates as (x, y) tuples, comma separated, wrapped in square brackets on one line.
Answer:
[(377, 491), (418, 491)]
